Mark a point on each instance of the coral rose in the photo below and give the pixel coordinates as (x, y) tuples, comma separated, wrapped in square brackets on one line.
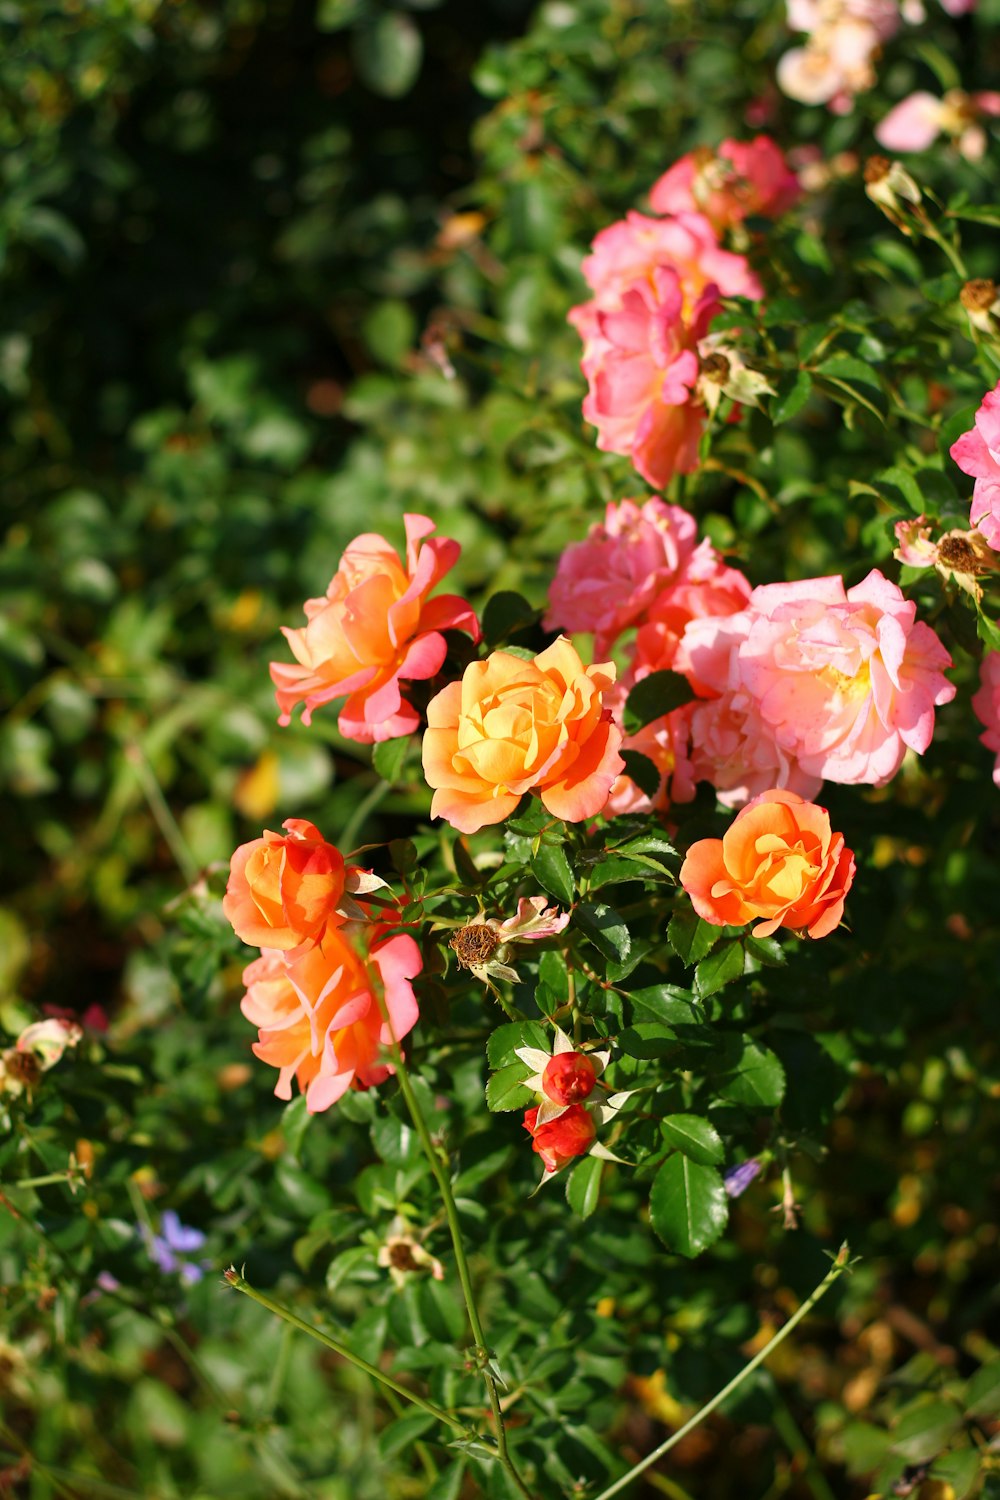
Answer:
[(606, 582), (283, 890), (327, 1016), (986, 706), (375, 628), (977, 453), (728, 185), (558, 1141), (778, 860), (513, 726)]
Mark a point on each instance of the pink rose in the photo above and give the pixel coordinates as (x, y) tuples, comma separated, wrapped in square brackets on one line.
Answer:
[(977, 453), (734, 750), (917, 122), (739, 180), (605, 583), (708, 588), (375, 629), (847, 681), (665, 743), (986, 706), (641, 367)]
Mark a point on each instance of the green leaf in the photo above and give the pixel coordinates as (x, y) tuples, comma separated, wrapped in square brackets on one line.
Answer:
[(758, 1079), (401, 1433), (640, 769), (658, 694), (388, 758), (691, 937), (989, 632), (605, 929), (924, 1430), (504, 1042), (722, 966), (388, 52), (647, 1039), (960, 1470), (294, 1121), (395, 1141), (792, 398), (667, 1003), (846, 367), (505, 1090), (907, 485), (695, 1137), (583, 1186), (982, 1394), (688, 1206), (551, 868), (505, 614)]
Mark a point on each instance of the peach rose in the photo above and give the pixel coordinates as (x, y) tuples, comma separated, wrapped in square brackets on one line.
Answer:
[(513, 726), (778, 860), (375, 628), (328, 1015), (283, 889)]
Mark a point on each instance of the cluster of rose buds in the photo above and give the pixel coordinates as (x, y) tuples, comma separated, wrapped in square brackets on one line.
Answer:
[(572, 1106)]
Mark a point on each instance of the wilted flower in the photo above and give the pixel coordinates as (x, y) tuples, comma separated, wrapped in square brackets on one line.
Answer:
[(402, 1254), (483, 945), (723, 373), (48, 1040), (960, 555), (981, 301), (890, 186)]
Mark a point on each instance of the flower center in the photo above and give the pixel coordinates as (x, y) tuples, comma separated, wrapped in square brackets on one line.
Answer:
[(474, 945)]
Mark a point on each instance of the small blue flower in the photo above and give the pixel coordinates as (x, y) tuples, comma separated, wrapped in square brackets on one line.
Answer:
[(175, 1241), (739, 1178)]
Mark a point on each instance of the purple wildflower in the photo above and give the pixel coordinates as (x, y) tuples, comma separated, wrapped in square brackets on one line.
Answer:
[(176, 1241), (739, 1178)]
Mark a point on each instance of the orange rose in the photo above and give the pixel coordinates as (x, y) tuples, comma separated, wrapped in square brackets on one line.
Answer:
[(512, 726), (283, 889), (778, 860)]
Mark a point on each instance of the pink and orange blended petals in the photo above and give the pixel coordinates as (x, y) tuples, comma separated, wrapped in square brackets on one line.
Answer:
[(375, 629)]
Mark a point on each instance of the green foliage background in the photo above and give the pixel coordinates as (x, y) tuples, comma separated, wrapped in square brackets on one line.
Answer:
[(230, 260)]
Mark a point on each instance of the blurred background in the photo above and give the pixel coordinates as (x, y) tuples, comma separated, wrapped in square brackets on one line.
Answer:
[(270, 275)]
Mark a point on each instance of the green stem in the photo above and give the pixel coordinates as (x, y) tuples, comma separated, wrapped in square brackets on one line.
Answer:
[(368, 804), (438, 1167), (836, 1271), (235, 1280), (37, 1182), (167, 823)]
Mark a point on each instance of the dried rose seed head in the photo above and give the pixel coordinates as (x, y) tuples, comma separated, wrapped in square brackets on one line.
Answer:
[(568, 1077), (401, 1255), (715, 367), (960, 555), (23, 1066), (978, 295), (877, 167), (474, 945)]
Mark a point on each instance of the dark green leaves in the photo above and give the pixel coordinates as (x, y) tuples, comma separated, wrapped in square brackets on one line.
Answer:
[(583, 1186), (694, 1137), (758, 1080), (658, 694), (605, 929), (688, 1206), (552, 870)]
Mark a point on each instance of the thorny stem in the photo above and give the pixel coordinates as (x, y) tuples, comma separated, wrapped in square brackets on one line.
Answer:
[(240, 1284), (439, 1169), (835, 1272)]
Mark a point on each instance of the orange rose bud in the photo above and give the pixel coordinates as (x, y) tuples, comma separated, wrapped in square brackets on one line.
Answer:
[(569, 1077), (779, 860), (557, 1141), (513, 726), (283, 889)]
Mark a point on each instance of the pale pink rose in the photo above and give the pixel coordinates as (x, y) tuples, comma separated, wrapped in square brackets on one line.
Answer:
[(375, 629), (918, 121), (641, 365), (846, 680), (533, 921), (739, 180), (48, 1040), (986, 706), (977, 453), (958, 7), (329, 1016), (836, 61), (734, 750), (605, 583), (707, 653), (708, 588)]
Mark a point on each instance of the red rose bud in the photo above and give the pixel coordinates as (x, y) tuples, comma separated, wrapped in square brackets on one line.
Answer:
[(558, 1141), (568, 1077)]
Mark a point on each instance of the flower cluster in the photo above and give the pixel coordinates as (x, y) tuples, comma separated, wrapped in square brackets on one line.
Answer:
[(331, 990), (564, 1124), (656, 286)]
